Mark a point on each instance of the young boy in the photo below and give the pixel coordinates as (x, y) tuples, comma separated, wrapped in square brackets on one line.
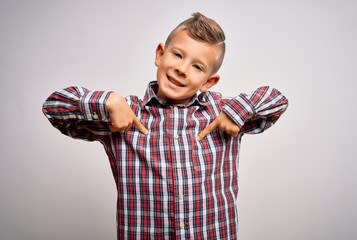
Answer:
[(174, 154)]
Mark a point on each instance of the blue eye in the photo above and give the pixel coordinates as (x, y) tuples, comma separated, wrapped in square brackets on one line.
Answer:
[(177, 55), (197, 67)]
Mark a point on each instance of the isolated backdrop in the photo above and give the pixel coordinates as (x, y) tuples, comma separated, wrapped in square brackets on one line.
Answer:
[(300, 185)]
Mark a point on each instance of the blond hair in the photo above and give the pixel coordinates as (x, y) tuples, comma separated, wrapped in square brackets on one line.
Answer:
[(205, 30)]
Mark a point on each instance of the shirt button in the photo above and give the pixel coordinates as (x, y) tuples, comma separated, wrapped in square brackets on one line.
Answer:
[(179, 165), (95, 116), (181, 196), (175, 108), (182, 225), (71, 116), (176, 136)]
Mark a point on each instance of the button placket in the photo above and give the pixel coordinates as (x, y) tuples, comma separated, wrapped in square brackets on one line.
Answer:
[(179, 199)]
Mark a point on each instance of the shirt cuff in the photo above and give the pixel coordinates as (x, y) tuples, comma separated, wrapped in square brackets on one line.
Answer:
[(93, 105), (239, 109)]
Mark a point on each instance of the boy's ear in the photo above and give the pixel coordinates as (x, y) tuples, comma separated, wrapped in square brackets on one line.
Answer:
[(212, 80), (159, 53)]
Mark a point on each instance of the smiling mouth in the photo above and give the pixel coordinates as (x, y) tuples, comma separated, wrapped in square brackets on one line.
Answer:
[(174, 81)]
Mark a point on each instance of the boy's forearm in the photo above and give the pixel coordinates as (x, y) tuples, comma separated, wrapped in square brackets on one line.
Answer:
[(263, 107), (75, 105)]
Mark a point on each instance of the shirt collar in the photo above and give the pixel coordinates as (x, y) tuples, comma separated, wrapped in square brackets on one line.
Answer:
[(151, 95)]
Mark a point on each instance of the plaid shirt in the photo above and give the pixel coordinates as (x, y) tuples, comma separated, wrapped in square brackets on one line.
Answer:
[(170, 186)]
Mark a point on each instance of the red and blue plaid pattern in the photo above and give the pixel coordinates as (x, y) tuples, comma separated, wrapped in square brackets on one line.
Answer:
[(170, 186)]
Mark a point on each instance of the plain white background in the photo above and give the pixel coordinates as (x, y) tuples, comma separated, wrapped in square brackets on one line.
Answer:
[(297, 180)]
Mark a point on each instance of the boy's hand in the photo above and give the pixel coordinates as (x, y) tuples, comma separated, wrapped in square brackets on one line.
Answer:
[(223, 123), (121, 116)]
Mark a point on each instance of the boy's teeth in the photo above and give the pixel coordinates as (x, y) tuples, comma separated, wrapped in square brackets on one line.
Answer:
[(175, 82)]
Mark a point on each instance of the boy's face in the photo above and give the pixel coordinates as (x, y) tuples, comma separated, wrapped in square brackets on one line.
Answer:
[(184, 67)]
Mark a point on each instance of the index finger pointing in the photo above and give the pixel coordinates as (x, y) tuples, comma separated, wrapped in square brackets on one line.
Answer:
[(207, 130), (140, 126)]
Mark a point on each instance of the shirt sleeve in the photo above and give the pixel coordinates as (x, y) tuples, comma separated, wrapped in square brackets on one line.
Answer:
[(78, 112), (258, 111)]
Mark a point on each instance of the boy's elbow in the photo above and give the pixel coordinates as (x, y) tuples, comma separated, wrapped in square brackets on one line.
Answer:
[(285, 104)]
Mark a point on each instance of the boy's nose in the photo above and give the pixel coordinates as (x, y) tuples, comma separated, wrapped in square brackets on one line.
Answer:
[(181, 70)]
